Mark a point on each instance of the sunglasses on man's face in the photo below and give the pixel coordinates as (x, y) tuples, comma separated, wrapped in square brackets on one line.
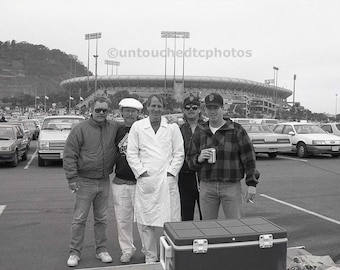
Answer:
[(99, 110), (194, 108)]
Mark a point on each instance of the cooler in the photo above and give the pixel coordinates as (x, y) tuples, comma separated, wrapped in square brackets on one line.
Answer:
[(235, 244)]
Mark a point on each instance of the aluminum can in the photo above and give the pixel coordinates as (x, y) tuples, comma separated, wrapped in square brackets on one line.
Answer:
[(212, 158)]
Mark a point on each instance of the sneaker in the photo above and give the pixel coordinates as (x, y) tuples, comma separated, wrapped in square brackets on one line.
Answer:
[(73, 260), (104, 257), (126, 257)]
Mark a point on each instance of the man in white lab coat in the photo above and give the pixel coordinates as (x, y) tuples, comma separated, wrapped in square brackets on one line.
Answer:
[(155, 154)]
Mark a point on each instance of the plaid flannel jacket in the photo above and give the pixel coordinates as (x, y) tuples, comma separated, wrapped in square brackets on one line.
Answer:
[(235, 156)]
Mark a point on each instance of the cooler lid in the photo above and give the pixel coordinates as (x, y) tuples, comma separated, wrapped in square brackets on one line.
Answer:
[(222, 231)]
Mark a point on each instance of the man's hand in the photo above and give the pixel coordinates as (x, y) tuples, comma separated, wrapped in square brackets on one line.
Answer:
[(205, 154), (250, 195), (74, 186)]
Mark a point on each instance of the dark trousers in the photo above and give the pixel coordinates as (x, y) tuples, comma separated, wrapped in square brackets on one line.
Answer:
[(189, 195)]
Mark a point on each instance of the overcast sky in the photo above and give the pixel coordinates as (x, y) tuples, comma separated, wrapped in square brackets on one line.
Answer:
[(239, 39)]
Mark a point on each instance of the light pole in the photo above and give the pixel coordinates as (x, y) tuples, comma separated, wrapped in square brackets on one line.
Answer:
[(294, 90), (111, 63), (276, 71), (95, 36), (336, 106), (175, 35)]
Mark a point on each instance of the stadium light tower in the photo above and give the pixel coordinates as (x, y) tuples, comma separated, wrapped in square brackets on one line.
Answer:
[(174, 35), (88, 37), (111, 63)]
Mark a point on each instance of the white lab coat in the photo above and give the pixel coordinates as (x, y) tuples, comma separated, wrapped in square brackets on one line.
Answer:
[(157, 196)]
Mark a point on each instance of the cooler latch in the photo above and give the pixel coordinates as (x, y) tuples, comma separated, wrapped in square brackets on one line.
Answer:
[(266, 241), (200, 245)]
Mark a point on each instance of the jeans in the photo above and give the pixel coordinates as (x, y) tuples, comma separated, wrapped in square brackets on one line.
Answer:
[(123, 203), (93, 192), (228, 194)]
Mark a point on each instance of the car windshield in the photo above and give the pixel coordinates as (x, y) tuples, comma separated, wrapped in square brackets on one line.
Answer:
[(6, 133), (309, 129), (60, 123), (257, 129)]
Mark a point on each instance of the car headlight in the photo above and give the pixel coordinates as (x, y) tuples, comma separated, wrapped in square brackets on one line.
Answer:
[(7, 148), (318, 142), (44, 145)]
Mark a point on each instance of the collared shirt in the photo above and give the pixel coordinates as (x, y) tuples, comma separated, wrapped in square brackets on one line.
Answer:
[(235, 156)]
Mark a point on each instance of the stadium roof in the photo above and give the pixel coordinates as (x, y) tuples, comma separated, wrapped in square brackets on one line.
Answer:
[(190, 82)]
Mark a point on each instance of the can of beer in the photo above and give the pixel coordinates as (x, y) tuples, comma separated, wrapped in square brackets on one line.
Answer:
[(212, 158)]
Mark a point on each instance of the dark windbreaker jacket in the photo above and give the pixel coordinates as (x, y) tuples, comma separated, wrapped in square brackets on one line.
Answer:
[(90, 150)]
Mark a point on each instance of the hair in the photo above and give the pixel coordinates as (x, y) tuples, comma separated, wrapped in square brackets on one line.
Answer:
[(101, 98), (159, 97)]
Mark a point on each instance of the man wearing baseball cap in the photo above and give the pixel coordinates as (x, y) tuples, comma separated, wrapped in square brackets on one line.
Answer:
[(124, 183), (234, 159), (187, 179)]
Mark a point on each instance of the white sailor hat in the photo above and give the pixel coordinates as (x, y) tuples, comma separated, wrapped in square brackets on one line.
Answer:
[(130, 103)]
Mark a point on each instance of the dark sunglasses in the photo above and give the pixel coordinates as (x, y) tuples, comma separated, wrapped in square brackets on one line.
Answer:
[(194, 108), (98, 110)]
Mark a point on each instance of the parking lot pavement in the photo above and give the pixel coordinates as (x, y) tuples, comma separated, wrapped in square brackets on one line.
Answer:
[(35, 224)]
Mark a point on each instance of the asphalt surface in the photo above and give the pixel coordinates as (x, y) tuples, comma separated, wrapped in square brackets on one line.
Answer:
[(36, 208)]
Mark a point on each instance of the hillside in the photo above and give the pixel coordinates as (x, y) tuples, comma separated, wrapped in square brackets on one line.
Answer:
[(28, 69)]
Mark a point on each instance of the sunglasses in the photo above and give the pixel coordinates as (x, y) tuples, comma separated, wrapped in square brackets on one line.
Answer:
[(194, 108), (99, 110)]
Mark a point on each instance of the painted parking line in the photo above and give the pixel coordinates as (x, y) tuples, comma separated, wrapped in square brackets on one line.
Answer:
[(30, 161), (2, 209), (294, 159), (302, 209)]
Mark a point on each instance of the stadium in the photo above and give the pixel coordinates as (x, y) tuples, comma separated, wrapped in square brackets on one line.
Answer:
[(255, 98)]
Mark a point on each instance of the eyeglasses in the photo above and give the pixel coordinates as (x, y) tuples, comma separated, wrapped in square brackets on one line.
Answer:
[(188, 107), (99, 110)]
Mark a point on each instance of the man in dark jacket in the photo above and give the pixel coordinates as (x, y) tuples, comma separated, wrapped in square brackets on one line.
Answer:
[(223, 154), (89, 156), (187, 179), (124, 183)]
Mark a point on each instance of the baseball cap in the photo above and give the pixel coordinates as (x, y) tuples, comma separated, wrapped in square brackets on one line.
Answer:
[(130, 103), (191, 100), (214, 99)]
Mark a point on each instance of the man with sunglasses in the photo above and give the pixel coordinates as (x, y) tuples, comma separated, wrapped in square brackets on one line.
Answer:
[(187, 179), (223, 154), (89, 156)]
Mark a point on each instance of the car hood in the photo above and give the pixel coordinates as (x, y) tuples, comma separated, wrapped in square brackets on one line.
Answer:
[(6, 143), (53, 135)]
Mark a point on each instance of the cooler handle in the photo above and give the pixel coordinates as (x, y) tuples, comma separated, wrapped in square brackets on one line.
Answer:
[(165, 253)]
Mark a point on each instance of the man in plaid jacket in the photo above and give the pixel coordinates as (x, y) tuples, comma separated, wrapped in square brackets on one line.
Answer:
[(233, 159)]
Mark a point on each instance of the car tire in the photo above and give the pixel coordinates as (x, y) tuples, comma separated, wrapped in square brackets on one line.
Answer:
[(14, 163), (41, 162), (335, 155), (272, 155), (301, 150)]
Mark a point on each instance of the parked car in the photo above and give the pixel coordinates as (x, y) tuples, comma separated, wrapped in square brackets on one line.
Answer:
[(34, 127), (308, 138), (27, 133), (12, 146), (269, 122), (53, 134), (266, 141), (331, 128)]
